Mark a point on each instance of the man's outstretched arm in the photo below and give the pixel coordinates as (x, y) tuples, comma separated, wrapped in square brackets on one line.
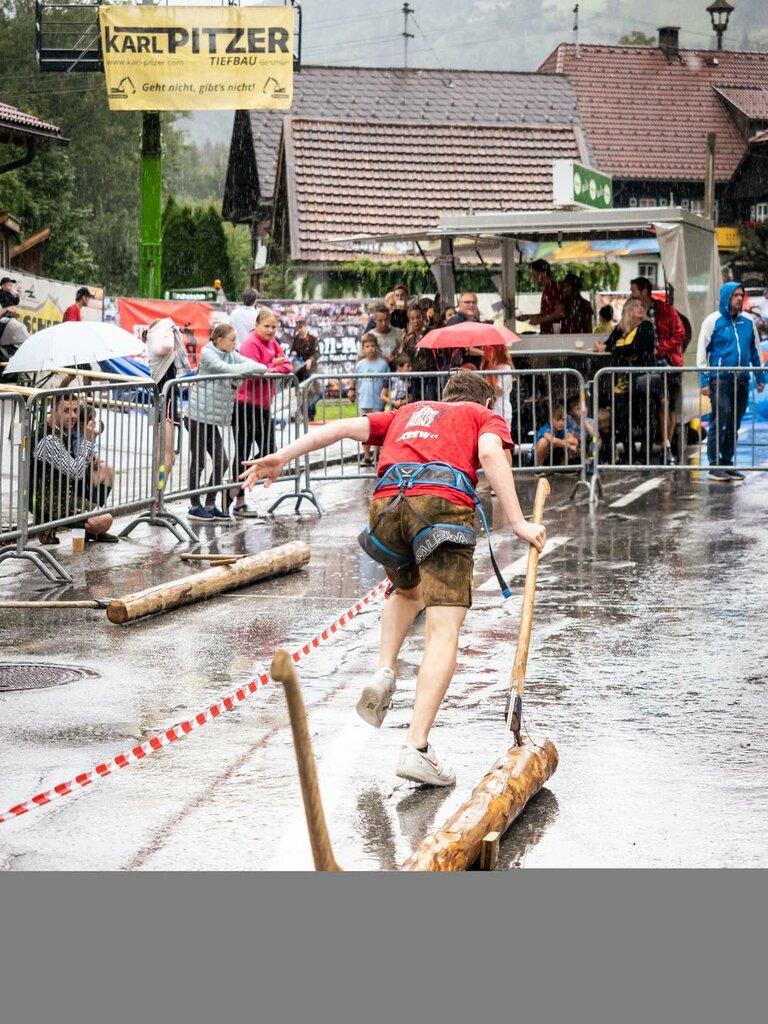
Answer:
[(270, 467)]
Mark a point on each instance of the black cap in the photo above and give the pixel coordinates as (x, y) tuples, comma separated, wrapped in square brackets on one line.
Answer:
[(8, 280), (81, 292)]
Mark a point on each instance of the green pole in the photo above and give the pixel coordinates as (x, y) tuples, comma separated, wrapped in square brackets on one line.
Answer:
[(151, 241)]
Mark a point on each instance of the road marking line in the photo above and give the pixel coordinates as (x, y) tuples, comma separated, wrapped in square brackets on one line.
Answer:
[(336, 765), (637, 492), (518, 567)]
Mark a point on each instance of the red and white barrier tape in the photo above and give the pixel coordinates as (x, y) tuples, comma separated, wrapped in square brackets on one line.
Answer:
[(178, 732)]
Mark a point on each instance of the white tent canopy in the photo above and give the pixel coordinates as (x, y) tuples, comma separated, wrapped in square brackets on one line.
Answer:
[(686, 241)]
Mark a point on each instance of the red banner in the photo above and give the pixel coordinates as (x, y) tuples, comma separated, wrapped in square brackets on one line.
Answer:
[(194, 319)]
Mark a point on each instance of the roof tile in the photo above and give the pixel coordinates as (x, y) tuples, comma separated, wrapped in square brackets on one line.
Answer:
[(352, 177), (396, 94), (663, 138)]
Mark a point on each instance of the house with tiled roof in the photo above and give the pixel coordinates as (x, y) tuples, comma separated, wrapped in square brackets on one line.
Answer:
[(389, 150), (21, 130), (647, 110), (340, 178)]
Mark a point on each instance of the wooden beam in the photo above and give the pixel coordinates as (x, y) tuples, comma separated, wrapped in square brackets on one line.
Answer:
[(162, 598), (489, 852)]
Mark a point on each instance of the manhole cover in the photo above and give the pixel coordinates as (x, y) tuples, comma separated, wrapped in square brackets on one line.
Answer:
[(29, 675)]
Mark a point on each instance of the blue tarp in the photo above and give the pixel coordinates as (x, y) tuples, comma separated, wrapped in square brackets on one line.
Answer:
[(126, 366)]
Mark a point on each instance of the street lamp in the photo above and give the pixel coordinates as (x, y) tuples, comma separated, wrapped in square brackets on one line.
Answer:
[(720, 11)]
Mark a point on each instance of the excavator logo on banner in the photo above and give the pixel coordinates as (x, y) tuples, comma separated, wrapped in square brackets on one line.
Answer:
[(197, 58)]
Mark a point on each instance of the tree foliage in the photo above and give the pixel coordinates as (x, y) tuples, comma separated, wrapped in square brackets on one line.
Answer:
[(367, 277), (195, 251), (754, 249), (88, 191), (636, 38)]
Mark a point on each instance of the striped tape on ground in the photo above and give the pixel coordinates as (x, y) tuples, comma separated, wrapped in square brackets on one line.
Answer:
[(178, 732)]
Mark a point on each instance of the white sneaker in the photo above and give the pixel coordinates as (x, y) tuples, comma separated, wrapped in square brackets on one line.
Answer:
[(418, 767), (376, 697)]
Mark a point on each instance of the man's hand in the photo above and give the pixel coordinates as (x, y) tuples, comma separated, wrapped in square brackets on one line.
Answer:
[(571, 442), (533, 533), (705, 392), (267, 469), (91, 430), (761, 386)]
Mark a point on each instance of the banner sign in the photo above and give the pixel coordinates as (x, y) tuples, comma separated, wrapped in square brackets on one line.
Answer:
[(198, 58), (194, 319), (577, 185), (42, 301)]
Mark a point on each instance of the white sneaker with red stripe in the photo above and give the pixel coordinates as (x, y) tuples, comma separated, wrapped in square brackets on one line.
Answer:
[(376, 697), (425, 767)]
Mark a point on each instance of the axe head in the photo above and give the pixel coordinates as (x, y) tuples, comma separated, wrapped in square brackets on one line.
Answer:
[(514, 706)]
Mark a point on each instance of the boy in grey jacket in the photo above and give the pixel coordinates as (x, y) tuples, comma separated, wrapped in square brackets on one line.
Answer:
[(209, 409)]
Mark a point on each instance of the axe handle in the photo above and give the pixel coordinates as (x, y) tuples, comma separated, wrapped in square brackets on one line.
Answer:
[(517, 679), (282, 671)]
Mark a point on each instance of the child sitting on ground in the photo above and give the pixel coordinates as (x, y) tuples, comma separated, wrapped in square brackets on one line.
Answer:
[(369, 387), (604, 434), (398, 393), (554, 445), (574, 424)]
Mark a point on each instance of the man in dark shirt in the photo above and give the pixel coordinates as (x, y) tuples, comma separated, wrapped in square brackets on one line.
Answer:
[(9, 297), (306, 348), (552, 300)]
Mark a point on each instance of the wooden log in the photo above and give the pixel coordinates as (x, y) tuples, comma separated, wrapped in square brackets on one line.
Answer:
[(282, 671), (496, 801), (272, 562)]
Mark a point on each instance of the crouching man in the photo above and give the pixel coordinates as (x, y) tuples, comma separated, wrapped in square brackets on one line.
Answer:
[(68, 477), (422, 530)]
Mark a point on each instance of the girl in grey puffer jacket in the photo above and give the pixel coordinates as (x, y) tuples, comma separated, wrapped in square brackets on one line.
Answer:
[(209, 409)]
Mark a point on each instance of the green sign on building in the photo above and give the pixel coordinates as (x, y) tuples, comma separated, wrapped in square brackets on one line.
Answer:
[(577, 185)]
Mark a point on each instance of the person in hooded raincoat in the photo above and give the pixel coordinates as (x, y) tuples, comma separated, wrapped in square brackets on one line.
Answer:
[(727, 338)]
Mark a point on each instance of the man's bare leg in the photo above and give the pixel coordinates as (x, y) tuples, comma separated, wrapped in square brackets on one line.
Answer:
[(436, 671), (397, 618), (399, 612)]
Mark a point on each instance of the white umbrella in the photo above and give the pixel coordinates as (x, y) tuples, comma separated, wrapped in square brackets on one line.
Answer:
[(73, 343)]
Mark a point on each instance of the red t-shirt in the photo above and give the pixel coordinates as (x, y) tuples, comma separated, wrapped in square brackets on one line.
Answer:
[(435, 432), (71, 313)]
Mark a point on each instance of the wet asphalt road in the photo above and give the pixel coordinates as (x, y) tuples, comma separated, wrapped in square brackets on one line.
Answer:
[(646, 668)]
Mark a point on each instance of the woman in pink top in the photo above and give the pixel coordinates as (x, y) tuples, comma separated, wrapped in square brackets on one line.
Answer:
[(252, 415)]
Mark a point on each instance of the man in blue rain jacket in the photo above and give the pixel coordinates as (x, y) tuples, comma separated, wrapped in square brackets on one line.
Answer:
[(727, 338)]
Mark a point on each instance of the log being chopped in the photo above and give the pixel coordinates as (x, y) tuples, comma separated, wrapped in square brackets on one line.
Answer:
[(518, 774)]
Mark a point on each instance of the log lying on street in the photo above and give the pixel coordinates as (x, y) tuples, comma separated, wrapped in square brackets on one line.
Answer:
[(499, 797), (272, 562)]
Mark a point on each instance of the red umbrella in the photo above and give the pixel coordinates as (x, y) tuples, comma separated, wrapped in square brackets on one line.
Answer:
[(468, 334)]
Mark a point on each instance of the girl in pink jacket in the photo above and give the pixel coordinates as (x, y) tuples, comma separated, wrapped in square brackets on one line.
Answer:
[(252, 421)]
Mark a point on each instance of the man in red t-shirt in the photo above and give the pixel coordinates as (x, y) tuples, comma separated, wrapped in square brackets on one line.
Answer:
[(82, 295), (463, 433)]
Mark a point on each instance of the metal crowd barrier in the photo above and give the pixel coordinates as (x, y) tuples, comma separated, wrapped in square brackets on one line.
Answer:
[(526, 401), (83, 453), (209, 425), (656, 418)]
